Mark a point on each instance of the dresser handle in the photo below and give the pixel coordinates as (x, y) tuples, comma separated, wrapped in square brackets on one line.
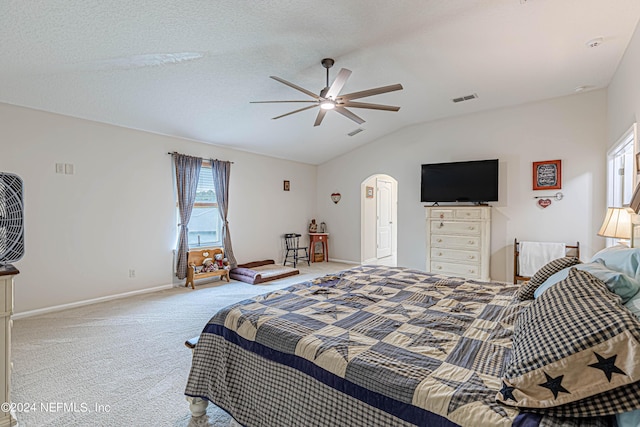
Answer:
[(472, 271), (441, 216), (439, 240), (441, 225), (471, 227), (439, 267), (471, 242), (471, 257)]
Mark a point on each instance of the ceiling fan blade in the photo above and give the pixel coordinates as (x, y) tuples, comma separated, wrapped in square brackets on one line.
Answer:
[(348, 114), (371, 106), (338, 83), (296, 111), (296, 87), (268, 102), (320, 116), (370, 92)]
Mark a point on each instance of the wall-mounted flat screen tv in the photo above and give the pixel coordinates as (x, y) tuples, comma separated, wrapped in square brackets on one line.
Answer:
[(471, 181)]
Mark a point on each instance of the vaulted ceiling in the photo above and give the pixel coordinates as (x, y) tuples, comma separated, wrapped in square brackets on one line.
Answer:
[(190, 68)]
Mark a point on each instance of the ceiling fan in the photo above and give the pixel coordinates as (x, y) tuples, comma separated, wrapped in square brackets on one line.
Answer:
[(330, 98)]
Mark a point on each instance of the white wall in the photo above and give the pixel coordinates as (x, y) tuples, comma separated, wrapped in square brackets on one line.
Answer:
[(623, 95), (571, 128), (118, 212)]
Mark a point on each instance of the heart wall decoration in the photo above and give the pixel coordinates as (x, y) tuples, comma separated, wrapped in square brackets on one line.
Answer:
[(543, 203), (335, 197)]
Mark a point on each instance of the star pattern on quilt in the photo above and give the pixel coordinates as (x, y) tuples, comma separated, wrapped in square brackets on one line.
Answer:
[(608, 365), (340, 343), (251, 315), (332, 311), (426, 339), (507, 392), (460, 308), (469, 391), (398, 309), (555, 385), (380, 291)]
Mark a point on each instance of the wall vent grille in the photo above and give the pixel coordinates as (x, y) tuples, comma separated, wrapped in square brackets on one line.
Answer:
[(465, 98)]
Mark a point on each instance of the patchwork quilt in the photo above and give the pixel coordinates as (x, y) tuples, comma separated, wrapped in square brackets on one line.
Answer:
[(368, 346)]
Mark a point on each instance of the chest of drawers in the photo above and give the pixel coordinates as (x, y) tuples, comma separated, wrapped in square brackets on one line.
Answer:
[(458, 241)]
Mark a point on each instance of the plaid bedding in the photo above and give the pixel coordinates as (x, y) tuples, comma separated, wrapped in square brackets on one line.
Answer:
[(371, 346)]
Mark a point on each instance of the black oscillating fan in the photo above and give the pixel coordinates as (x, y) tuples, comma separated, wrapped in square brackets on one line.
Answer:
[(11, 218)]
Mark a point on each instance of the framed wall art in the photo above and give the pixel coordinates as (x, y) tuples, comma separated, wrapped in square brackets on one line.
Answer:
[(369, 192), (547, 175)]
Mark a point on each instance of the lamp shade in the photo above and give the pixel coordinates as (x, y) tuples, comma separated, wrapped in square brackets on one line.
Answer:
[(617, 223)]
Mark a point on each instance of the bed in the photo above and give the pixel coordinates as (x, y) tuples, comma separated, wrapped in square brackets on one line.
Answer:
[(382, 346)]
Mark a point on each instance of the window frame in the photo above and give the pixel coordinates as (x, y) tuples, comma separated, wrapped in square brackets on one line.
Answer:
[(206, 167)]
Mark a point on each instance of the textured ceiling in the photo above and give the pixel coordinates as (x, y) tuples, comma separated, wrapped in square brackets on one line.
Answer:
[(190, 68)]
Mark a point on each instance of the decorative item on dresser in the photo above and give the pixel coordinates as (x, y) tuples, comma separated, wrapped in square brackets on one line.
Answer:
[(7, 273), (458, 241)]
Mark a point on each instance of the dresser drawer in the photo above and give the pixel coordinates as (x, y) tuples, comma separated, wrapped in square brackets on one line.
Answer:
[(468, 213), (443, 254), (471, 271), (458, 242), (442, 214), (455, 227)]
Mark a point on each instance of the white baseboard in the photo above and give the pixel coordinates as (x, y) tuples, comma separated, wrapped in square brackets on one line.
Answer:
[(370, 261), (45, 310), (344, 261)]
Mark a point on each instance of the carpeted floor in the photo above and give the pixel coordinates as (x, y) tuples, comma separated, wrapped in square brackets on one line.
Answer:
[(122, 362)]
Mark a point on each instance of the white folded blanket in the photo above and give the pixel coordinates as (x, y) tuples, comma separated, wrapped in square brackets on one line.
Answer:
[(534, 255)]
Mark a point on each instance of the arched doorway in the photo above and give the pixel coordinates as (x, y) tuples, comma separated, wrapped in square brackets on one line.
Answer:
[(379, 213)]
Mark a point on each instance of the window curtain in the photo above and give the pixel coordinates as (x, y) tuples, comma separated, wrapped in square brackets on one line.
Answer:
[(221, 171), (187, 174)]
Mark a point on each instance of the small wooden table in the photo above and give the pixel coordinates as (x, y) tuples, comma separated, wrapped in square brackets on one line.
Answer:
[(319, 238)]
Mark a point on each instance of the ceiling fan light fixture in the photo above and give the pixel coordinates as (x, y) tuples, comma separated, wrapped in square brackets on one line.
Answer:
[(327, 104)]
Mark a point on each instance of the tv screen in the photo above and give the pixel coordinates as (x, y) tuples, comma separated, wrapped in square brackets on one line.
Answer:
[(472, 181)]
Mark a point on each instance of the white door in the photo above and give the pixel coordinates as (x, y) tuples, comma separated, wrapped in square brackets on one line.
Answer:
[(384, 222)]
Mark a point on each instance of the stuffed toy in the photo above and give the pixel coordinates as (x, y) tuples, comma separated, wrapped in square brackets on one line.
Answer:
[(208, 265), (219, 261)]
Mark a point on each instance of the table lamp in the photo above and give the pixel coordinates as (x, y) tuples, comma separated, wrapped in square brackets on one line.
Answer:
[(617, 223)]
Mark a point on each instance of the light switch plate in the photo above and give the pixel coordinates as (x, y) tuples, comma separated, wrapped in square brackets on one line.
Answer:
[(59, 167), (68, 168)]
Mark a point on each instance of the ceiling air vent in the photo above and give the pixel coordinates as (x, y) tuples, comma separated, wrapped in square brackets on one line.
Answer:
[(355, 132), (465, 98)]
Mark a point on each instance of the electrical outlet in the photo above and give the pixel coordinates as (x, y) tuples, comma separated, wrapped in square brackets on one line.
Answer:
[(59, 167), (132, 273)]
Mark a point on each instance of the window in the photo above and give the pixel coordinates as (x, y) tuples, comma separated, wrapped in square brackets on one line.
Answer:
[(205, 224), (621, 170)]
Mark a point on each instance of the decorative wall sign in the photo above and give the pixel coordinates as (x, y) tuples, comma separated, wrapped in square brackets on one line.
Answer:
[(369, 192), (547, 175), (543, 203), (287, 186), (335, 197)]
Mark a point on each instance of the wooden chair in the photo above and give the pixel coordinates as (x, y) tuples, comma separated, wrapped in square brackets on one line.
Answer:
[(294, 250), (571, 250)]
